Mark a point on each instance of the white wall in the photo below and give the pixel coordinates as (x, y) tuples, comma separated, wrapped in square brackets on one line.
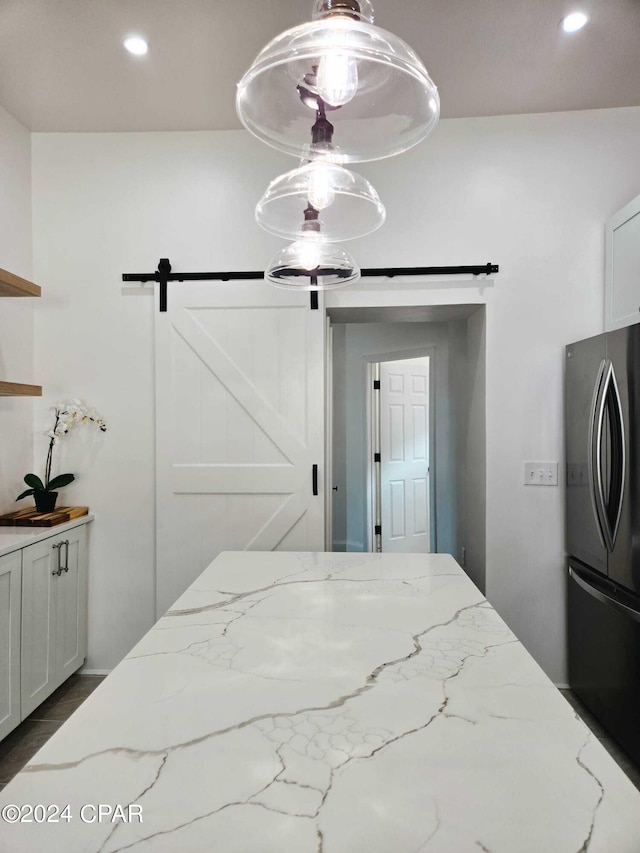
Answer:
[(528, 192), (16, 314)]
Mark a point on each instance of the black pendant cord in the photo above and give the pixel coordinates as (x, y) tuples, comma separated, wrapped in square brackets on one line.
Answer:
[(164, 275)]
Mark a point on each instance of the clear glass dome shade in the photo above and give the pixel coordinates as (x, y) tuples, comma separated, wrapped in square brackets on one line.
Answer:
[(386, 101), (348, 206), (310, 264)]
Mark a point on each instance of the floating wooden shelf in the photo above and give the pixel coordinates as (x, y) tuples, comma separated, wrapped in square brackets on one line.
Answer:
[(13, 285), (18, 389)]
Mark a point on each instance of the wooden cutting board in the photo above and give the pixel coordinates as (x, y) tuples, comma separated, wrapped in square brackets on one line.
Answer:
[(32, 518)]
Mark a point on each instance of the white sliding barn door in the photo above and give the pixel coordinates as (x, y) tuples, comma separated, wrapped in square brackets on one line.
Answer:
[(239, 425)]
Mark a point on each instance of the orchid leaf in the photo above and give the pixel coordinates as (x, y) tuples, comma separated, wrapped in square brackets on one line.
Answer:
[(60, 481), (35, 482), (25, 494)]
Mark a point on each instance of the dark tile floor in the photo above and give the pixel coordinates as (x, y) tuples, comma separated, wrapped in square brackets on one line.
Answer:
[(25, 740)]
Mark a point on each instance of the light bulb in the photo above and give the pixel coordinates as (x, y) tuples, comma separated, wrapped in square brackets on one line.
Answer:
[(574, 22), (321, 193), (337, 78), (136, 45), (309, 253)]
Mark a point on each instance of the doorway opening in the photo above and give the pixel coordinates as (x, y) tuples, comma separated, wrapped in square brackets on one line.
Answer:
[(451, 340), (401, 436)]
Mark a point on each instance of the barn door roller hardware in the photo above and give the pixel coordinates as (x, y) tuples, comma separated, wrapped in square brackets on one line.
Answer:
[(163, 275)]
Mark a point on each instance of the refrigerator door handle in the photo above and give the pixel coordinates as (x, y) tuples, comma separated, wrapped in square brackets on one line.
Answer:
[(602, 596), (595, 455), (616, 490)]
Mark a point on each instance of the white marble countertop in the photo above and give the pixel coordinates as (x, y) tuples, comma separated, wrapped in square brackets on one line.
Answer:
[(327, 703), (14, 538)]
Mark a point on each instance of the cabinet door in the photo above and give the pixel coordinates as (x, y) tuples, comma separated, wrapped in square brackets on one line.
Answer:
[(54, 614), (70, 601), (39, 561), (10, 596), (622, 286)]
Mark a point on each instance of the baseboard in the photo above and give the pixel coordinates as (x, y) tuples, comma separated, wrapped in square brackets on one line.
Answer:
[(563, 686), (351, 547), (84, 671)]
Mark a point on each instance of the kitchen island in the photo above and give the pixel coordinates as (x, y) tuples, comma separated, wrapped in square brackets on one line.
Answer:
[(299, 702)]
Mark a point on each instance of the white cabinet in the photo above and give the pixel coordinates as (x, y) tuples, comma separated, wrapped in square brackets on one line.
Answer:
[(54, 630), (10, 594), (622, 281)]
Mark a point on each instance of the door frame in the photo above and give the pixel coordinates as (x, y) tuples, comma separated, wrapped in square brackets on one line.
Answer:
[(400, 355), (328, 435)]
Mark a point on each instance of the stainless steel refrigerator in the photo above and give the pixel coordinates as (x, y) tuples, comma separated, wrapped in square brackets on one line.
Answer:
[(602, 422)]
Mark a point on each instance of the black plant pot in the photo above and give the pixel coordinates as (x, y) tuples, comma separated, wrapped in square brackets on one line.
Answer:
[(45, 501)]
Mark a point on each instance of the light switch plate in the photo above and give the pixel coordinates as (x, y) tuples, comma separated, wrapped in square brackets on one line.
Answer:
[(541, 473)]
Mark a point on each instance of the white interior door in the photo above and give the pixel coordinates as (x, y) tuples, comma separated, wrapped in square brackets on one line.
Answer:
[(239, 425), (404, 452)]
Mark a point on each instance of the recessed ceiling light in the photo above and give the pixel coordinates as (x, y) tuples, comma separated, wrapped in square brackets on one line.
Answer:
[(574, 22), (136, 45)]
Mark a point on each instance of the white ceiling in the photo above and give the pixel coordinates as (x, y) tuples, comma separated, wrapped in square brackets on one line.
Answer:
[(63, 68)]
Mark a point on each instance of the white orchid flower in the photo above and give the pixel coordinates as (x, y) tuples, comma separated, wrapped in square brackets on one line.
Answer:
[(67, 416), (71, 414)]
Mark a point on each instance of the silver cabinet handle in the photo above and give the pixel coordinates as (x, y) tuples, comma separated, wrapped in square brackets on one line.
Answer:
[(57, 548), (66, 555)]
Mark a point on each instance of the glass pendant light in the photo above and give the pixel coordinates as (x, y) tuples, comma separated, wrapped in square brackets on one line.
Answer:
[(367, 91), (347, 204), (310, 264)]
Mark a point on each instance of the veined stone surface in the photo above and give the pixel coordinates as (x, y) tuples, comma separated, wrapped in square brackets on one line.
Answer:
[(328, 703)]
